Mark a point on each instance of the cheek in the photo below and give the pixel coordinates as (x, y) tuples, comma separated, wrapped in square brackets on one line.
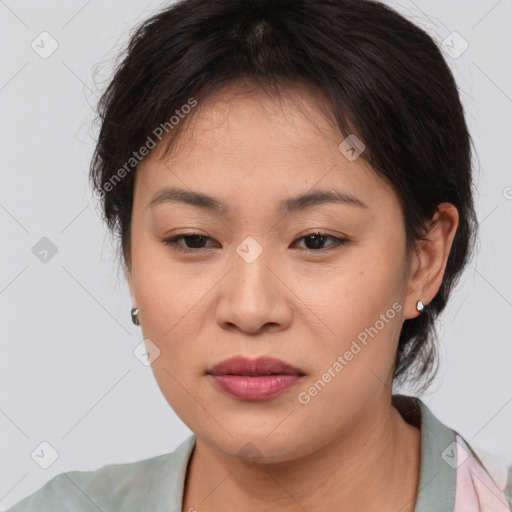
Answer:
[(174, 307), (167, 292), (360, 307), (354, 294)]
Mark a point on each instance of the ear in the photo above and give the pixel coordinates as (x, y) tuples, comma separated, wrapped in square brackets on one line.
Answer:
[(428, 263)]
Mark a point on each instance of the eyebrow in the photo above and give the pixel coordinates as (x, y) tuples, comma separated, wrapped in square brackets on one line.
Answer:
[(293, 204)]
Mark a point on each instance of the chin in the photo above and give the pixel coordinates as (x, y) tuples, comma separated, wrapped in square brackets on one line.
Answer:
[(252, 444)]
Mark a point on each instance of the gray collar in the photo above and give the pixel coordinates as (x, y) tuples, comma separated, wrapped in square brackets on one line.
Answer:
[(436, 488)]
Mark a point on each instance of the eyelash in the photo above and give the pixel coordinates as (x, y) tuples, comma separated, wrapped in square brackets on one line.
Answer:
[(173, 242)]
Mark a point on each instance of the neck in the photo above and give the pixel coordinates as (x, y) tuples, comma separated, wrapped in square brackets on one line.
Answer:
[(375, 463)]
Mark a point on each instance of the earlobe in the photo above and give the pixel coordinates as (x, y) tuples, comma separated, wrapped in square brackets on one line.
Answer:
[(430, 258)]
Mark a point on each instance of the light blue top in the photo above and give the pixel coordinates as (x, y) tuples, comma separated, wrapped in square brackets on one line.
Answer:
[(156, 484)]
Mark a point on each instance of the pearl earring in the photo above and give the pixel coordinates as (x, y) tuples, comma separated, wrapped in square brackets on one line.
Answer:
[(419, 306), (135, 316)]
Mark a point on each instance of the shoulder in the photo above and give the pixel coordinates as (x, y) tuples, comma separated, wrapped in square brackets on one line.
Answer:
[(114, 487)]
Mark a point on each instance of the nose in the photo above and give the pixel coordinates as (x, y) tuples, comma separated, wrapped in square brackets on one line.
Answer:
[(254, 296)]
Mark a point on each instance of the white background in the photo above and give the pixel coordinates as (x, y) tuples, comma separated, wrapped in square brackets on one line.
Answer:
[(68, 375)]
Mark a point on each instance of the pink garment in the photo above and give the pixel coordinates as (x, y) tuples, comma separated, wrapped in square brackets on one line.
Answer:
[(476, 491)]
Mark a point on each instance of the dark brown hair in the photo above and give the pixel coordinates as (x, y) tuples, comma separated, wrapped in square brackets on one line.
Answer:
[(385, 78)]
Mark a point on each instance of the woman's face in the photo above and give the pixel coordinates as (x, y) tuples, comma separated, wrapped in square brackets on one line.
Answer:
[(255, 285)]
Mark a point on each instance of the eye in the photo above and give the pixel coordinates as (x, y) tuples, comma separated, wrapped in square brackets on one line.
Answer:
[(315, 240), (195, 241)]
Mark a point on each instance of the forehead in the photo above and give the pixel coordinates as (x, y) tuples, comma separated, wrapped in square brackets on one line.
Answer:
[(243, 115), (243, 140)]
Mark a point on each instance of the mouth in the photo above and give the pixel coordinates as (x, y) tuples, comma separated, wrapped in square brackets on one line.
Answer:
[(258, 379), (262, 366)]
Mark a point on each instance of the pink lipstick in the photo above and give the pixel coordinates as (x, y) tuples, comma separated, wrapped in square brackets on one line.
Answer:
[(259, 379)]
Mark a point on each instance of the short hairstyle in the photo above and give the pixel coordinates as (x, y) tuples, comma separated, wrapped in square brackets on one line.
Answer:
[(385, 79)]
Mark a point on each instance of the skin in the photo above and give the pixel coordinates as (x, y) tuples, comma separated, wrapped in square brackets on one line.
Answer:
[(348, 444)]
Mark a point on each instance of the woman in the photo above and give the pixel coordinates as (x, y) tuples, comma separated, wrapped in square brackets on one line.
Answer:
[(291, 185)]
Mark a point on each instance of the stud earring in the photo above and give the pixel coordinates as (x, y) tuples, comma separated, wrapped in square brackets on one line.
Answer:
[(135, 316), (420, 306)]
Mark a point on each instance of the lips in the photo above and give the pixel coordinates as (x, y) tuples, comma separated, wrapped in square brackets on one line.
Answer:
[(256, 367), (252, 380)]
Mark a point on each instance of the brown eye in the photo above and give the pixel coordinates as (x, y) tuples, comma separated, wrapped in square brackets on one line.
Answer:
[(193, 242), (315, 241)]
